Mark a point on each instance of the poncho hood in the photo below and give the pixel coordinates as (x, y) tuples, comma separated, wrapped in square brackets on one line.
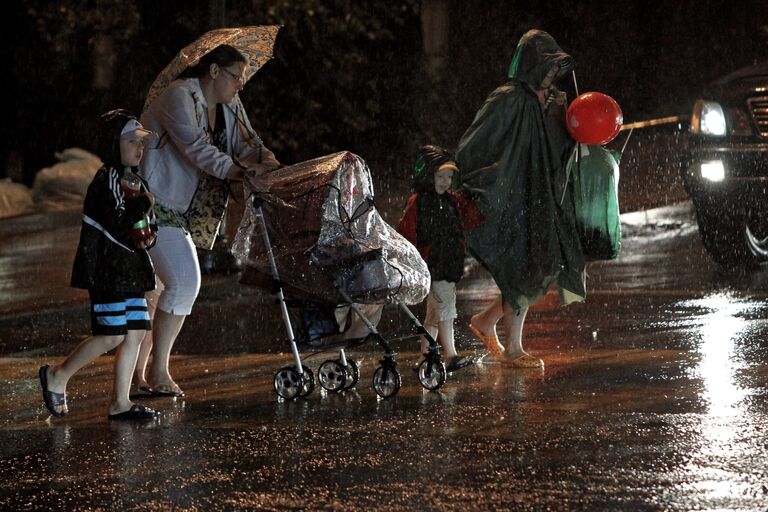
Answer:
[(539, 61), (512, 161)]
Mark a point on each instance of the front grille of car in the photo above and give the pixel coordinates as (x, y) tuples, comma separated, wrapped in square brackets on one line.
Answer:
[(758, 107)]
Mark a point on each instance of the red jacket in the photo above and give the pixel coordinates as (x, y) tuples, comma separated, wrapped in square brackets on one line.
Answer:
[(469, 213)]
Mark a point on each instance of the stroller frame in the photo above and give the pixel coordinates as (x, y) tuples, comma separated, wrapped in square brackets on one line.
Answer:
[(297, 380)]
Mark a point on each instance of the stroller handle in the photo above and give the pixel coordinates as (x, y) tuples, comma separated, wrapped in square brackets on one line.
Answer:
[(280, 295)]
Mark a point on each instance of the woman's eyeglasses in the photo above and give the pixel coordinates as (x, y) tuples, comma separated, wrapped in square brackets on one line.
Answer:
[(237, 78)]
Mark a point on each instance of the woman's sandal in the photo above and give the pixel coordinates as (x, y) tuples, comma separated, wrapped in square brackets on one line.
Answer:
[(491, 343), (166, 390), (135, 413), (523, 361), (141, 392), (457, 363)]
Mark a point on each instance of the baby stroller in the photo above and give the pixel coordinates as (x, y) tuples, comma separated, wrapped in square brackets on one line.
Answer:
[(316, 241)]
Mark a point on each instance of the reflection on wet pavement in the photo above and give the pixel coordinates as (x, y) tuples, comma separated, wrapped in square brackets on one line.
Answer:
[(653, 398)]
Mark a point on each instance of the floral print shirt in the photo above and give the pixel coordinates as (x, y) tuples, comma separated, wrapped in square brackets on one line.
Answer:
[(203, 217)]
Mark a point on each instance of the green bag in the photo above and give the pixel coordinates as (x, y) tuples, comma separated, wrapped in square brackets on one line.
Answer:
[(594, 173)]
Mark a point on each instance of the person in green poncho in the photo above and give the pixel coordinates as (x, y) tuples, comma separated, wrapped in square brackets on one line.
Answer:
[(514, 157)]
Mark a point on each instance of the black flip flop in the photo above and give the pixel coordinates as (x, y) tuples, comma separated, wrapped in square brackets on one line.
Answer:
[(163, 392), (457, 363), (135, 413), (51, 398), (141, 392)]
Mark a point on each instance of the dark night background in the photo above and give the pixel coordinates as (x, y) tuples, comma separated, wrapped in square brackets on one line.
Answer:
[(353, 74)]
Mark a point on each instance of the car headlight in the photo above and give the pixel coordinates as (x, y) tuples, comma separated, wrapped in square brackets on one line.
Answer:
[(708, 118), (713, 170)]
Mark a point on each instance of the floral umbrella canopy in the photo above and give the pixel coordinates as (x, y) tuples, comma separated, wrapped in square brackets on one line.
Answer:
[(256, 43)]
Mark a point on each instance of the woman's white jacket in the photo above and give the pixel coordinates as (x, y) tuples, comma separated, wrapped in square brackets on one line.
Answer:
[(172, 163)]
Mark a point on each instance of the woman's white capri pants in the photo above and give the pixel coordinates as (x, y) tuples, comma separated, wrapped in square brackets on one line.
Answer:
[(175, 259)]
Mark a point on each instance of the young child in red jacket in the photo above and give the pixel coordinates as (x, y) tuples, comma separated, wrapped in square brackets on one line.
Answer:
[(434, 221)]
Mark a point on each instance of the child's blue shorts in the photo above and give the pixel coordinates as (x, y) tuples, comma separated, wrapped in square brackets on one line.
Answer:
[(115, 314)]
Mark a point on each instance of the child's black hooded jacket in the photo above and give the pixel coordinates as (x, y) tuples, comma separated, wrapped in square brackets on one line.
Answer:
[(106, 259)]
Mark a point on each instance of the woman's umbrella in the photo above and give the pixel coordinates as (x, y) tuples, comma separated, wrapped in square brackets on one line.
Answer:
[(256, 43)]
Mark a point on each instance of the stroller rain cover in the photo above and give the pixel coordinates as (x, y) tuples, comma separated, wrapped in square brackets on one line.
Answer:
[(325, 233)]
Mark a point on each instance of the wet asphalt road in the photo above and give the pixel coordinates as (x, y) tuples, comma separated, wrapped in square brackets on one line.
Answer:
[(653, 398)]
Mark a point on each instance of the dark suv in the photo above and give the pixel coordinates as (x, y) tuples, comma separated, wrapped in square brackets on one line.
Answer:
[(725, 167)]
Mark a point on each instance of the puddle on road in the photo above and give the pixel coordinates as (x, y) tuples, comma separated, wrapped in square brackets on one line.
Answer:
[(653, 397)]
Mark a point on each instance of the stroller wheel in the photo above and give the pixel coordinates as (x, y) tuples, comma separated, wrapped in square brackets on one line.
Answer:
[(308, 381), (353, 374), (386, 381), (332, 376), (288, 383), (431, 376)]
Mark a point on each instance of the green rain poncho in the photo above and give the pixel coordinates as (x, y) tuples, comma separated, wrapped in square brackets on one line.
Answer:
[(512, 159)]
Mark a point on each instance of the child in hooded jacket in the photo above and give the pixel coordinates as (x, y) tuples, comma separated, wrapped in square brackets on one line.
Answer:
[(113, 265), (434, 221)]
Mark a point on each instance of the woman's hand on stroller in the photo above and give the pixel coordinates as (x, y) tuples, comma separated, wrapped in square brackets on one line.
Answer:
[(256, 176)]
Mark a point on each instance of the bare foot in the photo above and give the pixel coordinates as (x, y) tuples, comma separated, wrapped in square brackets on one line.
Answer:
[(119, 407), (54, 384), (484, 326)]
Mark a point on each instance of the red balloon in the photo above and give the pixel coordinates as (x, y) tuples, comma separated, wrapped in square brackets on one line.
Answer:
[(594, 118)]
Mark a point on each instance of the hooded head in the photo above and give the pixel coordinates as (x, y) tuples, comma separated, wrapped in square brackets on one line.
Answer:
[(113, 126), (430, 158), (539, 61)]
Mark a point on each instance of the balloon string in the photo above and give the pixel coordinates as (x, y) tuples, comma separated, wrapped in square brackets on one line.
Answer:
[(568, 169), (575, 85), (627, 141)]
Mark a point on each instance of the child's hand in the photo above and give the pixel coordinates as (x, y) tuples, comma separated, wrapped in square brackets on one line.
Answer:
[(151, 197), (146, 244)]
